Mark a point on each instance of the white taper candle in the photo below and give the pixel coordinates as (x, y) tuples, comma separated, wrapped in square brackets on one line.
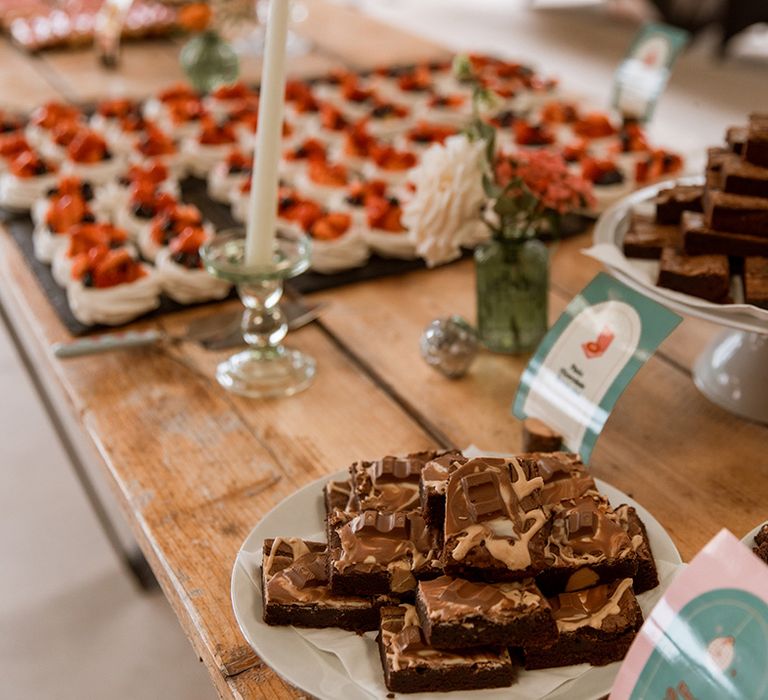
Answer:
[(262, 209)]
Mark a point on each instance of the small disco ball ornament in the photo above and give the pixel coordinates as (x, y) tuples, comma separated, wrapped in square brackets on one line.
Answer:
[(449, 345)]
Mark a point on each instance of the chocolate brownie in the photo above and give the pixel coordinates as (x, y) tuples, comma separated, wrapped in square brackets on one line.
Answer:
[(336, 495), (739, 177), (412, 666), (596, 626), (460, 614), (564, 475), (494, 522), (388, 484), (647, 577), (761, 543), (646, 239), (673, 201), (703, 276), (736, 138), (434, 482), (756, 147), (295, 590), (539, 437), (377, 553), (586, 545), (698, 239), (756, 281), (734, 212)]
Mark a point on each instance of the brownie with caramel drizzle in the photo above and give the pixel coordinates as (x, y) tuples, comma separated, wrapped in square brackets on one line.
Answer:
[(295, 590)]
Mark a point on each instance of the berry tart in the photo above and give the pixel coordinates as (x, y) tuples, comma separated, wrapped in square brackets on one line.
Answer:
[(296, 158), (225, 98), (209, 146), (144, 202), (89, 157), (228, 174), (243, 118), (55, 147), (110, 114), (46, 117), (27, 178), (181, 271), (111, 287), (385, 233), (158, 107), (449, 108), (389, 164), (65, 209), (155, 145), (81, 238), (11, 145), (387, 118), (423, 134), (323, 180), (70, 185), (609, 181), (356, 146), (168, 224), (113, 196), (183, 119)]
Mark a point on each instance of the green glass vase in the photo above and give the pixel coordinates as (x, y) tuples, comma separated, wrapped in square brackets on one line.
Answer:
[(208, 61), (512, 290)]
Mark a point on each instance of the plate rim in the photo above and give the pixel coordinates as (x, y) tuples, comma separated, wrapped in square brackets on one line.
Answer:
[(316, 485)]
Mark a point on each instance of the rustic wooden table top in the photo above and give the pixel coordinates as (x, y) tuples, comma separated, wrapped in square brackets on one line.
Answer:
[(194, 467)]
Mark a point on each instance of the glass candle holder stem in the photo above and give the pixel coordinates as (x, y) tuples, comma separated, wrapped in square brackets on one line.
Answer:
[(264, 323)]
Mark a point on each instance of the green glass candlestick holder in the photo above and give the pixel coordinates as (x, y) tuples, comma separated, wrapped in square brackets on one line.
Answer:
[(267, 368)]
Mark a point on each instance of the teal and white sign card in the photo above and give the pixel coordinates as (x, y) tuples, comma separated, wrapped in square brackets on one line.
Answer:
[(643, 74), (586, 360), (707, 638)]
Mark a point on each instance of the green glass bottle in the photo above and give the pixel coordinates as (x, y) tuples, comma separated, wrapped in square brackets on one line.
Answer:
[(209, 61)]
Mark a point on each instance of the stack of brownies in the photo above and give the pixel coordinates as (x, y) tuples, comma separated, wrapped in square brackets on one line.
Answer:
[(468, 568), (712, 241)]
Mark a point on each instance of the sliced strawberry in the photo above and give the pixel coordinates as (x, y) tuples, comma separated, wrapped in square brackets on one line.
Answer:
[(88, 147), (327, 174), (595, 125), (331, 226)]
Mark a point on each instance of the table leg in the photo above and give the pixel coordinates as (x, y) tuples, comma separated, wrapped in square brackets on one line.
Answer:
[(130, 556)]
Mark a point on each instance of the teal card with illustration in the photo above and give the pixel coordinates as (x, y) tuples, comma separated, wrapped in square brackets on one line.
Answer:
[(707, 639), (643, 74), (587, 359)]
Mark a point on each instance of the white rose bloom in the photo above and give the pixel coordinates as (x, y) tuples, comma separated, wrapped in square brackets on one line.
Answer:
[(444, 212)]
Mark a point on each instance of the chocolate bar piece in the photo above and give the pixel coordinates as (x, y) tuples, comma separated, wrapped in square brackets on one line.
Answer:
[(756, 147), (736, 138), (646, 239), (494, 523), (295, 590), (390, 483), (673, 201), (698, 239), (412, 666), (596, 626), (703, 276), (459, 614), (761, 543), (586, 545), (756, 281), (739, 177), (539, 437), (373, 552), (733, 212), (433, 484), (564, 475), (647, 577)]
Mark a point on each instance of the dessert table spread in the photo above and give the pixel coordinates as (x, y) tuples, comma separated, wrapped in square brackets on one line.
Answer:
[(194, 467)]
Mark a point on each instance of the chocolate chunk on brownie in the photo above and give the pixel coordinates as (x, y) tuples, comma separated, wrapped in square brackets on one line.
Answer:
[(337, 495), (756, 281), (735, 212), (739, 177), (388, 484), (494, 523), (586, 545), (703, 276), (459, 614), (646, 239), (372, 552), (699, 239), (647, 577), (761, 543), (539, 437), (433, 484), (673, 201), (596, 626), (564, 475), (412, 666), (295, 590)]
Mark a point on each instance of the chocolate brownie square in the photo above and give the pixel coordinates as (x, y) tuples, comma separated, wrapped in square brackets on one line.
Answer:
[(646, 239), (564, 475), (586, 545), (412, 666), (494, 522), (673, 201), (761, 543), (756, 281), (739, 177), (295, 590), (596, 626), (736, 138), (735, 212), (703, 276), (539, 437), (372, 552), (433, 483), (698, 239), (647, 577), (460, 614)]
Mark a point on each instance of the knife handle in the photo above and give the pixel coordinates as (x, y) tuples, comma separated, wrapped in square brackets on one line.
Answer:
[(106, 343)]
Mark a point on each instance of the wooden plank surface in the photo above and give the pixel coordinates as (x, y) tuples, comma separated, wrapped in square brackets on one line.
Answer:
[(23, 82)]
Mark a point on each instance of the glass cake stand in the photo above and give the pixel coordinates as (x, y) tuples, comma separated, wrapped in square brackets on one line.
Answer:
[(732, 371)]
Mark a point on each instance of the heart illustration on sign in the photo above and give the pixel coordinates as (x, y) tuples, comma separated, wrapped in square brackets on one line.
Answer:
[(596, 348)]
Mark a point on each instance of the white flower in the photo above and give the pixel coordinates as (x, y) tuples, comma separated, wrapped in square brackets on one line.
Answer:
[(444, 212)]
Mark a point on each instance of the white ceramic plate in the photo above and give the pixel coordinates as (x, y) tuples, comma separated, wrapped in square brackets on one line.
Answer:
[(302, 515)]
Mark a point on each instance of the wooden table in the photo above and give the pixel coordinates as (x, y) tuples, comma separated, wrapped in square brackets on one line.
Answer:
[(194, 468)]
